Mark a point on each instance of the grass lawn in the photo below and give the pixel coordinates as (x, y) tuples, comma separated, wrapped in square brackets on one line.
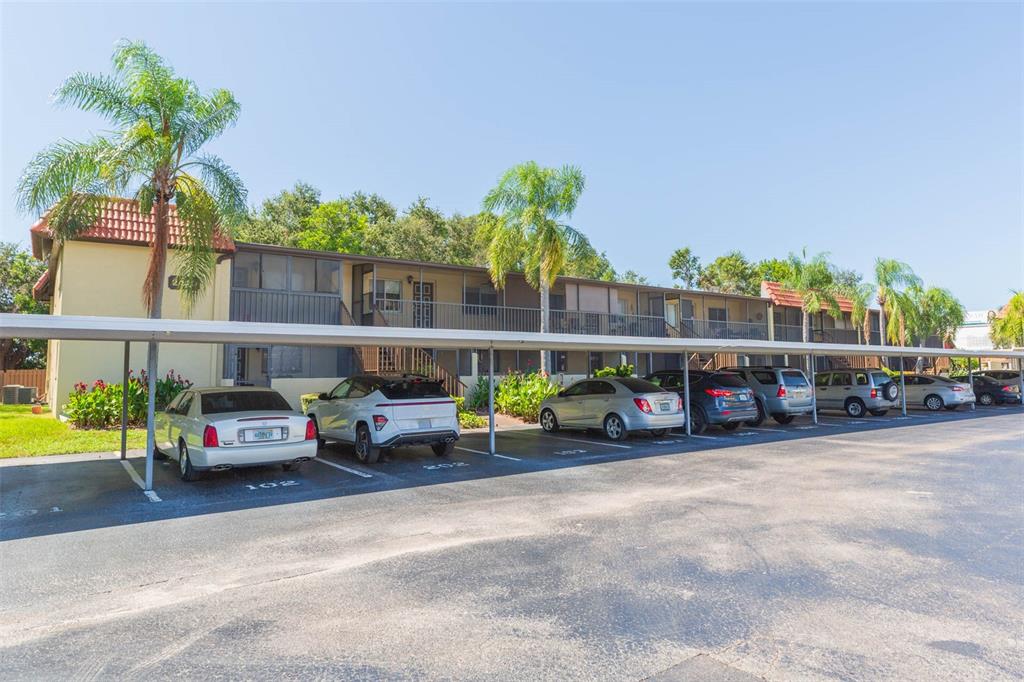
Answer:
[(23, 434)]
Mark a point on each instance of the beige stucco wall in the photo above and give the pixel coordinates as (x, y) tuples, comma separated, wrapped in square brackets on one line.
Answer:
[(106, 279)]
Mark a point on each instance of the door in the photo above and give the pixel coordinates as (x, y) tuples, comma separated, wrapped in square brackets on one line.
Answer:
[(596, 403), (327, 412), (350, 409), (821, 389), (840, 388), (178, 421), (252, 366), (423, 307), (162, 425), (569, 407)]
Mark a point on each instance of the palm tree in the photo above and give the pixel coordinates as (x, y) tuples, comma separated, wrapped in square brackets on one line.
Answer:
[(159, 124), (530, 200), (891, 276), (935, 312), (1007, 330), (860, 297), (812, 281)]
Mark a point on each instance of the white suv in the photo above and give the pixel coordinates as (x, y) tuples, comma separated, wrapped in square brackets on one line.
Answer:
[(375, 412)]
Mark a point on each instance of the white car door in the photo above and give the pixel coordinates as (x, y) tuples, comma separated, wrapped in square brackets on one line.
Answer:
[(162, 426), (178, 422), (326, 411), (352, 408)]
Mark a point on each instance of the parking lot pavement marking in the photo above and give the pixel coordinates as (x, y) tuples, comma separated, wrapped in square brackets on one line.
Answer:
[(134, 475), (481, 452), (918, 492), (338, 466), (588, 442), (754, 428), (694, 435)]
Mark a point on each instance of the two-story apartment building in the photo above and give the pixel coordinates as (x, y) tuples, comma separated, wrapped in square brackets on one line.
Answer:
[(101, 273)]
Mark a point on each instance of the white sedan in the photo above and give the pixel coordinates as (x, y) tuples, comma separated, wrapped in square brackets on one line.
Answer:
[(212, 429)]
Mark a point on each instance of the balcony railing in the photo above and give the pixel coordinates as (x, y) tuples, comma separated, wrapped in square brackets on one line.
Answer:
[(712, 329), (788, 332), (606, 324), (260, 305)]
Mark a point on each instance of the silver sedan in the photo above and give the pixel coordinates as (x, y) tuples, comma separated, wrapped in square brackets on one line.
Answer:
[(935, 392), (617, 405)]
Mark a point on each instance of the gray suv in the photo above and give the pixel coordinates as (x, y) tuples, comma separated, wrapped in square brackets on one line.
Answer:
[(782, 392), (856, 391)]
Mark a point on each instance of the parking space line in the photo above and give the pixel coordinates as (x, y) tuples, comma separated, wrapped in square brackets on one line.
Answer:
[(588, 442), (694, 435), (343, 468), (754, 428), (134, 475), (481, 452)]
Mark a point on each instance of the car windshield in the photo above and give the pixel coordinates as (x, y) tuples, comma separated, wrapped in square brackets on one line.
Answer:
[(727, 379), (880, 378), (639, 385), (412, 388), (794, 378), (243, 401)]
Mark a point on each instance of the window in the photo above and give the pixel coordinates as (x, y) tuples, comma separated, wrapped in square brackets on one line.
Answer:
[(602, 388), (414, 388), (880, 378), (862, 379), (822, 379), (556, 301), (561, 361), (765, 378), (341, 390), (303, 274), (481, 295), (173, 405), (666, 380), (245, 272), (360, 389), (328, 276), (793, 378), (220, 402), (576, 389), (729, 379), (273, 272), (842, 379), (639, 385), (389, 294), (185, 404)]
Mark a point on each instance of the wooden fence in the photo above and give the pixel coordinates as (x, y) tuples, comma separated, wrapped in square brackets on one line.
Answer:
[(25, 377)]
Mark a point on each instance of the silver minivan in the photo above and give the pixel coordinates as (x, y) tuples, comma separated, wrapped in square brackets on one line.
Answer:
[(782, 392), (856, 391)]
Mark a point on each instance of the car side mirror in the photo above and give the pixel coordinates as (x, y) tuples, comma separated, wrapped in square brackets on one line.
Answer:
[(324, 396), (561, 394)]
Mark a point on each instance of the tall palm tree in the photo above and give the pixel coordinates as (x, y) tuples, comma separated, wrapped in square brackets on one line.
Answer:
[(934, 312), (1007, 330), (891, 277), (860, 297), (812, 280), (159, 124), (530, 201)]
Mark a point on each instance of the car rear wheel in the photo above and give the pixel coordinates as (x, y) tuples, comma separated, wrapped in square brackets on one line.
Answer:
[(658, 433), (731, 426), (443, 449), (783, 418), (548, 420), (365, 451), (614, 428), (933, 403), (855, 408), (698, 421), (986, 399), (756, 421), (188, 472)]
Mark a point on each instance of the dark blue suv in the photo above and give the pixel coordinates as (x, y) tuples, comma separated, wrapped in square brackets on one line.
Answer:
[(721, 398)]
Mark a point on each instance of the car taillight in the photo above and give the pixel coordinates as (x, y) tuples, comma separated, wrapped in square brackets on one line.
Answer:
[(679, 404), (210, 439), (643, 405), (874, 393), (1008, 389), (956, 388), (379, 421), (718, 392), (310, 430), (781, 393)]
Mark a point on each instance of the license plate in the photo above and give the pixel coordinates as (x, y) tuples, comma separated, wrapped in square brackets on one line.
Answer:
[(743, 396), (423, 423), (253, 435), (665, 407)]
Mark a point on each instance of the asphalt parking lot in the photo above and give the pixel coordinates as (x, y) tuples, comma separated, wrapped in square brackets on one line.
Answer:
[(880, 547)]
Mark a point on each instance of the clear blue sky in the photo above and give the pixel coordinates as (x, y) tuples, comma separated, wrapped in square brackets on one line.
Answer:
[(860, 129)]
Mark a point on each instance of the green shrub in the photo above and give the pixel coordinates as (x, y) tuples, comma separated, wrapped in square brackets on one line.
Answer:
[(306, 398), (477, 397), (520, 395), (620, 371), (99, 406), (467, 418)]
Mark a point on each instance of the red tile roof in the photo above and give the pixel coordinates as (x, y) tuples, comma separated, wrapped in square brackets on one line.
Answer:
[(779, 295), (122, 222)]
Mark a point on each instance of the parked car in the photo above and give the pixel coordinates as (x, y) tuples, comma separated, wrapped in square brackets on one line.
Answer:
[(782, 392), (856, 391), (223, 428), (935, 392), (988, 391), (1003, 376), (618, 405), (720, 398), (379, 412)]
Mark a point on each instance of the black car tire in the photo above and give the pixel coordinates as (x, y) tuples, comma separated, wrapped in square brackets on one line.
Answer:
[(757, 421), (891, 391), (698, 420), (185, 468), (784, 418), (879, 413), (658, 433), (548, 420), (365, 450), (986, 399), (933, 402), (614, 427), (854, 408), (731, 426), (158, 455), (443, 449)]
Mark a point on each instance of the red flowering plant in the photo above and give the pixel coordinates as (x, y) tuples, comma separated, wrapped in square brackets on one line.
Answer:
[(99, 406)]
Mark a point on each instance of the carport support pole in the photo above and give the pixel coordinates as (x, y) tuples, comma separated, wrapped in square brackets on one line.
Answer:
[(686, 389), (124, 403), (490, 399), (814, 390), (150, 411), (970, 380), (1020, 379), (903, 387)]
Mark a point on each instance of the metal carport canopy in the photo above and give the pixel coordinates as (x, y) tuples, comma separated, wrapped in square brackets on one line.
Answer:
[(90, 328)]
